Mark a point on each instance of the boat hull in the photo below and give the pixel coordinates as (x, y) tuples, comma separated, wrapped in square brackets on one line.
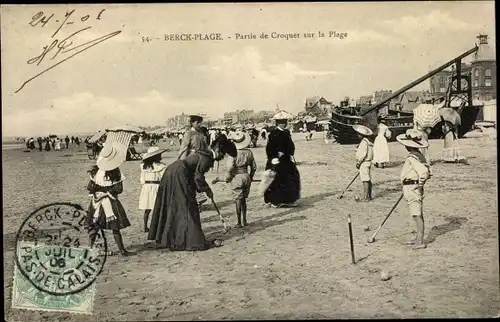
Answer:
[(397, 122), (342, 131)]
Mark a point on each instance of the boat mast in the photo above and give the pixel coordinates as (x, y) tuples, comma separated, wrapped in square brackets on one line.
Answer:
[(456, 60)]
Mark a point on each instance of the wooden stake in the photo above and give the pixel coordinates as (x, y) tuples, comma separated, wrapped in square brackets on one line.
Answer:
[(350, 238)]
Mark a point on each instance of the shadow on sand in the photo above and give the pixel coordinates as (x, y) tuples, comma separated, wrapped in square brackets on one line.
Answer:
[(391, 164), (454, 223), (268, 221), (310, 163), (448, 162), (253, 227), (209, 206), (386, 192)]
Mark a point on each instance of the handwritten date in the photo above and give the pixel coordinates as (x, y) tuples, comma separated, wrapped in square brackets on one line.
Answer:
[(57, 48), (41, 19)]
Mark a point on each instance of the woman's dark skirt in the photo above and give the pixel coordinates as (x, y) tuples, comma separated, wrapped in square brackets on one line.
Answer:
[(175, 222), (285, 188)]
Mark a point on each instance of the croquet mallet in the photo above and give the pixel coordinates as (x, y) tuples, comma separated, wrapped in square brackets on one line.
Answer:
[(226, 229), (372, 238), (342, 195)]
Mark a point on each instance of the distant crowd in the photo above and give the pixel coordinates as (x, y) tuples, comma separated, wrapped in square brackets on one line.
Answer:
[(212, 134), (51, 143), (55, 143)]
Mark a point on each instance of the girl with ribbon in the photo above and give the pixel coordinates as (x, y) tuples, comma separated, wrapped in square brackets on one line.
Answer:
[(151, 172), (105, 210), (238, 175)]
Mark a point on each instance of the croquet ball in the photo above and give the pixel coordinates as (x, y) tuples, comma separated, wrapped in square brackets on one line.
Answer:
[(367, 228), (384, 276)]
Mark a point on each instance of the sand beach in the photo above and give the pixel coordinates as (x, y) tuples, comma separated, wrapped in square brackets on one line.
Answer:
[(288, 263)]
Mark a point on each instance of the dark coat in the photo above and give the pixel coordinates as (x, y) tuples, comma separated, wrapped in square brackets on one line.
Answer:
[(285, 188), (175, 222)]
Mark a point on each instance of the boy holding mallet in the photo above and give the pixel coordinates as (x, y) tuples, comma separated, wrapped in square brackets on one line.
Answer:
[(413, 176), (364, 157)]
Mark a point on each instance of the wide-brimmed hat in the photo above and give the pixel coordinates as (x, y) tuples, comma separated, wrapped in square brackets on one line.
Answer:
[(413, 139), (110, 157), (194, 118), (152, 151), (282, 116), (241, 140), (363, 130)]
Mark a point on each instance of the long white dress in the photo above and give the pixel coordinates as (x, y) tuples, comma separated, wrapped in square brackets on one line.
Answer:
[(58, 145), (380, 147)]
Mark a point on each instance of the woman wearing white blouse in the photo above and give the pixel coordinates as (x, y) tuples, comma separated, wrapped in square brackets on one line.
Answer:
[(380, 147)]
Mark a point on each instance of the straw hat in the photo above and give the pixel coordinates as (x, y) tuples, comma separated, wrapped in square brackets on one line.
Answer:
[(282, 116), (110, 157), (241, 140), (363, 130), (413, 139), (152, 151)]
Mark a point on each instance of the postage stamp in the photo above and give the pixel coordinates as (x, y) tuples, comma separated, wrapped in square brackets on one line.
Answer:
[(25, 296), (56, 267)]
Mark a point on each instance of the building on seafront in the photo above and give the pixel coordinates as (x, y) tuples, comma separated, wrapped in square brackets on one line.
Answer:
[(182, 120), (238, 116), (482, 69), (317, 105)]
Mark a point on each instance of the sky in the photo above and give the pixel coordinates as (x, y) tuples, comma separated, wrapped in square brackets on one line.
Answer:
[(125, 80)]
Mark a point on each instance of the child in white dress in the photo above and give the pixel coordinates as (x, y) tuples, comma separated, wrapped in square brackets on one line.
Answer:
[(152, 170)]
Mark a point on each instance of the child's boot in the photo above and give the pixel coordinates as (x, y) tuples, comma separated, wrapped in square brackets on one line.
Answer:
[(244, 211), (239, 221), (238, 213), (366, 188)]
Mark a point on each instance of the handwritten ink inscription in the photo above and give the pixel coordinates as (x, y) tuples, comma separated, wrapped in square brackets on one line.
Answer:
[(63, 48)]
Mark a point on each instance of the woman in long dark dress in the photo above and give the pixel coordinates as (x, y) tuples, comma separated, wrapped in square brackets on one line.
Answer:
[(285, 188), (175, 222), (47, 144)]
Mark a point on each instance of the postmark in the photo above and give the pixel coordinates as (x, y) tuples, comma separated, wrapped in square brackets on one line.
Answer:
[(53, 252)]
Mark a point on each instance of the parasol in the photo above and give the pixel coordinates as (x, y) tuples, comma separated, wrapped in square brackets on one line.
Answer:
[(427, 115), (450, 115)]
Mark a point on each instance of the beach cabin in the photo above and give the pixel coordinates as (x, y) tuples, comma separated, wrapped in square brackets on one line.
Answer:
[(488, 113)]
